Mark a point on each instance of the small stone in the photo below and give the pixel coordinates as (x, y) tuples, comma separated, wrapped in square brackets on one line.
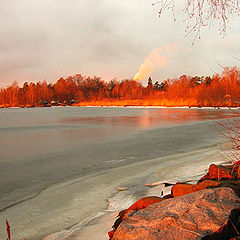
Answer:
[(122, 189)]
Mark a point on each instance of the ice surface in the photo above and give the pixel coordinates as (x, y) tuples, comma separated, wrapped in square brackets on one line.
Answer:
[(63, 165)]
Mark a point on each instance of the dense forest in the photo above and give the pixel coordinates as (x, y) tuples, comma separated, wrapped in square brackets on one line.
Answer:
[(218, 90)]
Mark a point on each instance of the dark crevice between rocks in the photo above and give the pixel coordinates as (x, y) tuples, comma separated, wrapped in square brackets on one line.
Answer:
[(229, 231)]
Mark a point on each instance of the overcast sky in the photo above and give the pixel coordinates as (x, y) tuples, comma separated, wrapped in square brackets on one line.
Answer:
[(49, 39)]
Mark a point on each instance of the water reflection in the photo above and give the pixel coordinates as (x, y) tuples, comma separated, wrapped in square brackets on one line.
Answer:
[(151, 118), (31, 134)]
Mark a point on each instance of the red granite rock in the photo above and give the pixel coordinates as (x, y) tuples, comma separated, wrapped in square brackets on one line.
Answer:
[(140, 204), (217, 172), (188, 217), (204, 184), (180, 189)]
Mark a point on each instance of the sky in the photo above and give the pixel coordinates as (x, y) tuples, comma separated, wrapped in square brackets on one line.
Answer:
[(48, 39)]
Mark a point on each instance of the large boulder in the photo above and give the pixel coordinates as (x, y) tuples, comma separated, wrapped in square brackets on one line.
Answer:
[(138, 205), (183, 218), (229, 231)]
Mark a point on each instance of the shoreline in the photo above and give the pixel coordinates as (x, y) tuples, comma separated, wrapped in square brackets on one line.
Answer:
[(123, 199), (59, 207), (66, 205), (154, 106), (122, 106)]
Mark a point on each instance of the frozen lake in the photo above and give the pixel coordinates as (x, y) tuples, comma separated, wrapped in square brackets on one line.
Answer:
[(44, 147)]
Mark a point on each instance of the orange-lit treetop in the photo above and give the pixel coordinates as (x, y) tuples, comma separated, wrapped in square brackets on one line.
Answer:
[(218, 90)]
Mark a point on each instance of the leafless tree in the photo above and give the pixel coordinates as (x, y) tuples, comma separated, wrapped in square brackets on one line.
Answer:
[(202, 13)]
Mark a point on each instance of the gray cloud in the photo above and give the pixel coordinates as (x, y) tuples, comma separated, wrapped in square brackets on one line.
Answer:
[(44, 39)]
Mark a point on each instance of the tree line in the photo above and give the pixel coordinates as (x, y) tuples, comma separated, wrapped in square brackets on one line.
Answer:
[(218, 90)]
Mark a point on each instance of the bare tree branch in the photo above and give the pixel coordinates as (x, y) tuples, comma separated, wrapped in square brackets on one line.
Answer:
[(202, 13)]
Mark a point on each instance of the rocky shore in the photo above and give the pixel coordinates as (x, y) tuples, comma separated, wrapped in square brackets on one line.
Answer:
[(209, 209)]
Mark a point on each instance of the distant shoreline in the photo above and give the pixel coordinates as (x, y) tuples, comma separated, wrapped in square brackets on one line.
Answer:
[(120, 105)]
